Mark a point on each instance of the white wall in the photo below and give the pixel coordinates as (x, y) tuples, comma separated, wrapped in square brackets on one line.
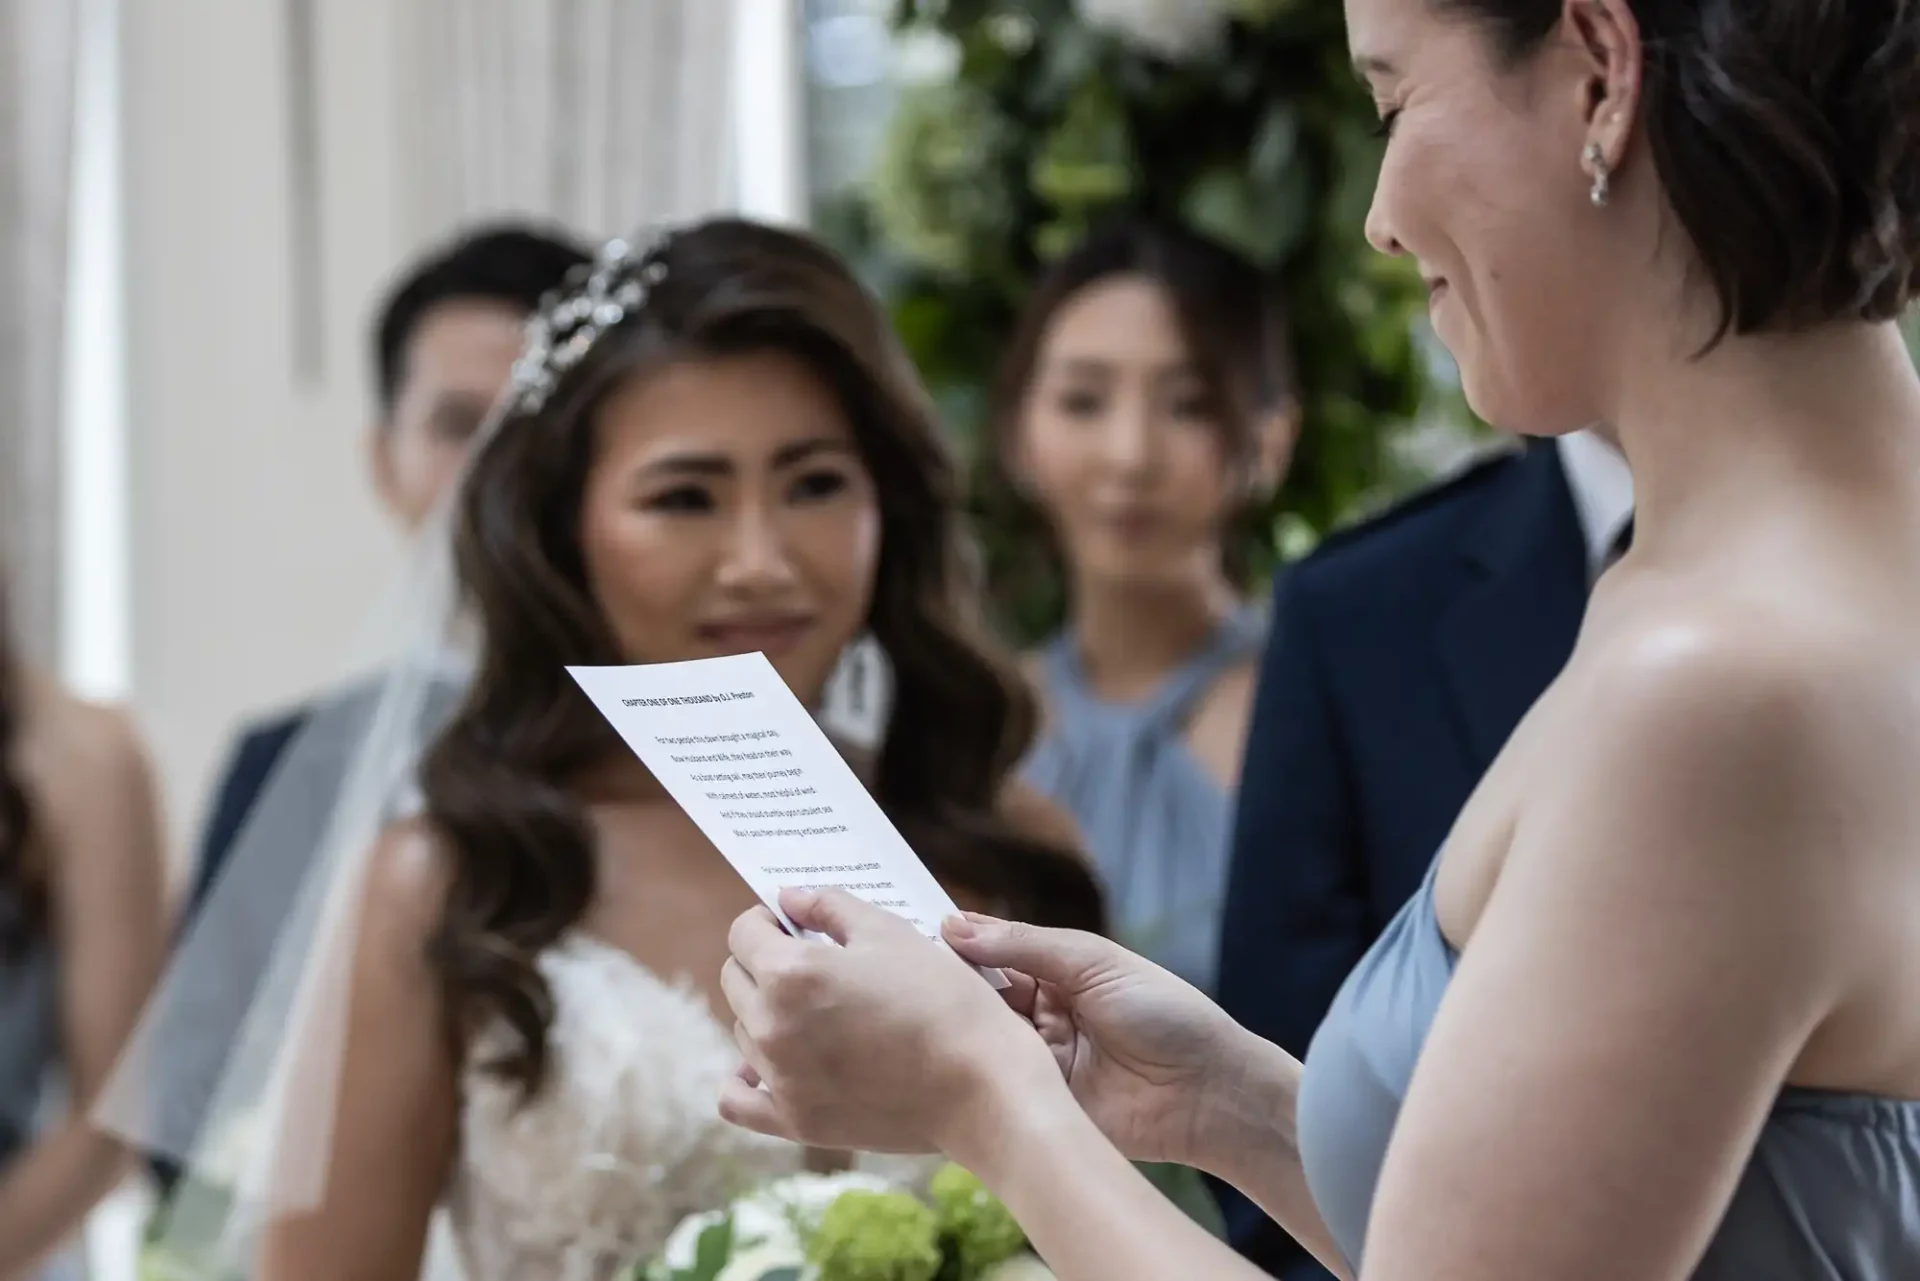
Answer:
[(256, 547)]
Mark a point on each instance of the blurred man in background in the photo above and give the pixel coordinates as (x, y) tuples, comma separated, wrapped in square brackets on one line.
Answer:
[(444, 346)]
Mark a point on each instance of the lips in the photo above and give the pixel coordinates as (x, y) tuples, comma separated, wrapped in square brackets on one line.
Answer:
[(1131, 524), (766, 635)]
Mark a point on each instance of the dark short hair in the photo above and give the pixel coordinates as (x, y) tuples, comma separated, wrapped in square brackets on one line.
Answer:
[(507, 263), (1787, 137)]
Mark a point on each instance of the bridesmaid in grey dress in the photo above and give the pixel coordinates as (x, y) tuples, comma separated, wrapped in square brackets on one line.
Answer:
[(82, 932), (1654, 1014), (1144, 406)]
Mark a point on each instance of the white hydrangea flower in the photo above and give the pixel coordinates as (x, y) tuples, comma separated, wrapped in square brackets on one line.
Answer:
[(683, 1242), (1021, 1267), (755, 1262), (1173, 29), (757, 1222), (768, 1223), (801, 1199)]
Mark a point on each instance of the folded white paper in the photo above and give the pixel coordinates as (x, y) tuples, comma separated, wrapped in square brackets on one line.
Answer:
[(748, 763)]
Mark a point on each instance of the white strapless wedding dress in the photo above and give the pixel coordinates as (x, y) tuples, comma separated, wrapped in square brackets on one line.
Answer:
[(590, 1175)]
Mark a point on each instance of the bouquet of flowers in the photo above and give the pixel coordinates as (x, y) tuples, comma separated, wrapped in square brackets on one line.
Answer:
[(851, 1227)]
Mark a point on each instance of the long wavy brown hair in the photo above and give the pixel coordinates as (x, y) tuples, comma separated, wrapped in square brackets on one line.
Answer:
[(496, 782), (23, 887)]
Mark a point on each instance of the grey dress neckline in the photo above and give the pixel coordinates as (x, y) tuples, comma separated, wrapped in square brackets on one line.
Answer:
[(1156, 824), (1831, 1192)]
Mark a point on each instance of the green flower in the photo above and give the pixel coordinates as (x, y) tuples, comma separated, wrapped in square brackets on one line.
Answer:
[(973, 1219), (939, 193), (876, 1236)]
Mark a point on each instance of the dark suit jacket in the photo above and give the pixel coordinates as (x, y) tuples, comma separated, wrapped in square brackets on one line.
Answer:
[(249, 766), (1403, 654)]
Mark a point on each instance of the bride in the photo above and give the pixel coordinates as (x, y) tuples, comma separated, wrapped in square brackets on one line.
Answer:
[(711, 447)]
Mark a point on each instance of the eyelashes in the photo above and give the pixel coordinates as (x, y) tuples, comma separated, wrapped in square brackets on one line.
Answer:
[(693, 499)]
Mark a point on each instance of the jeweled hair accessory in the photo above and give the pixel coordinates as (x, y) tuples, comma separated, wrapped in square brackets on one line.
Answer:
[(593, 300)]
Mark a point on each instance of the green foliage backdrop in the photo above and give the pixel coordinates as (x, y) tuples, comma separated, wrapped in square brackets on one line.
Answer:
[(1264, 139)]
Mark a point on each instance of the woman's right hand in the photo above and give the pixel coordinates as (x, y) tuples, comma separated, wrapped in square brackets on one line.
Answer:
[(1153, 1062)]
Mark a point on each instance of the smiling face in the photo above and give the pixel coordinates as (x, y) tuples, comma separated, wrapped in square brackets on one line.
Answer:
[(727, 509), (1120, 441), (1482, 184)]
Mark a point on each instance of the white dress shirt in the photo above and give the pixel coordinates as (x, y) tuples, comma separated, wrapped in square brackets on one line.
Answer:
[(1602, 492)]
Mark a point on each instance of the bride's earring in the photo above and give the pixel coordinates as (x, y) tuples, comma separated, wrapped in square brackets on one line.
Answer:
[(1597, 161), (859, 695)]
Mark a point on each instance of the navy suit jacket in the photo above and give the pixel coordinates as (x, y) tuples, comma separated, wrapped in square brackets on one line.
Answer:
[(248, 768), (1403, 654)]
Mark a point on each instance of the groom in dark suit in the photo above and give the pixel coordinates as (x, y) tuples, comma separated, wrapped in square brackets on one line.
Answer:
[(1402, 655), (443, 348)]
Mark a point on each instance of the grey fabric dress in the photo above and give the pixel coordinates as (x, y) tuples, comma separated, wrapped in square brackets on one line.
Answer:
[(29, 1043), (29, 1057), (1156, 823), (1832, 1192)]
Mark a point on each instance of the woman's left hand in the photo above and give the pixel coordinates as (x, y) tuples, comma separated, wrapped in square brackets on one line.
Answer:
[(886, 1043)]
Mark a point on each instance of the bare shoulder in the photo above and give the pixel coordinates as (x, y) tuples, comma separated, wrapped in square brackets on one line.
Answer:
[(1217, 731), (1231, 694), (70, 747), (409, 873), (1732, 751), (89, 776), (1033, 667), (1038, 817), (1718, 676)]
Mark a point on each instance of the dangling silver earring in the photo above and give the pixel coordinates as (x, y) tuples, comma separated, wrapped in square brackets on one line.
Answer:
[(1597, 161), (860, 697)]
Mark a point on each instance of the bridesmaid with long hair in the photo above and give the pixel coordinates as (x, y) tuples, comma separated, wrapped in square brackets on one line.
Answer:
[(82, 934)]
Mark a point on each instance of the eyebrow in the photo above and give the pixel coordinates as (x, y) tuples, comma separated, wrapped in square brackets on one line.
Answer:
[(1083, 366), (462, 402), (698, 464)]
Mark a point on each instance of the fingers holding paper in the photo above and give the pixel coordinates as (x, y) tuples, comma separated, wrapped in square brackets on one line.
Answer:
[(887, 1042)]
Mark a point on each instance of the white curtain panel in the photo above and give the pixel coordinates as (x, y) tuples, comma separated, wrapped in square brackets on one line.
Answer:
[(36, 128), (605, 115)]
